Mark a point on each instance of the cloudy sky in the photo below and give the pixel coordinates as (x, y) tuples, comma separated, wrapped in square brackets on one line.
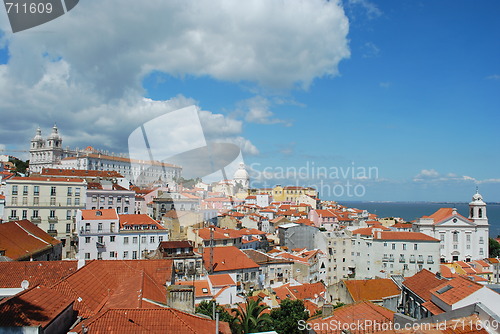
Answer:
[(366, 100)]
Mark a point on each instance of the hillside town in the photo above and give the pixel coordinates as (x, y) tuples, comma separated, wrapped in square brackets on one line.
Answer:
[(86, 249)]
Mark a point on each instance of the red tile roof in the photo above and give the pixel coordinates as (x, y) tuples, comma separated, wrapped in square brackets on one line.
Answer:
[(422, 282), (176, 244), (221, 280), (201, 287), (372, 289), (35, 272), (443, 214), (138, 219), (21, 239), (411, 236), (353, 316), (455, 290), (227, 259), (433, 308), (34, 307), (145, 321), (48, 179), (104, 214), (303, 291), (80, 173), (93, 285)]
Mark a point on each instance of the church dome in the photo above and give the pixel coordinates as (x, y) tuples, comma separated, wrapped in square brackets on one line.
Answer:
[(55, 133), (477, 197), (241, 173), (38, 136)]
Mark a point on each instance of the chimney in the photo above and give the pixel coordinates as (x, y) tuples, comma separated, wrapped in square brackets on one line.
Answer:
[(181, 297), (326, 310)]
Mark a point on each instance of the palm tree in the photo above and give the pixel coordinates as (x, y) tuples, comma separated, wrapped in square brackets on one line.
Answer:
[(250, 317)]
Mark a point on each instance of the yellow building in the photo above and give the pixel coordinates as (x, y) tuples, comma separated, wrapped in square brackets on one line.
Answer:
[(285, 194)]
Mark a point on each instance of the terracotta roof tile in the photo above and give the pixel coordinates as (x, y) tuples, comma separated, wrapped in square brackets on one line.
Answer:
[(372, 289), (442, 214), (433, 308), (422, 282), (355, 314), (35, 272), (34, 307), (201, 287), (104, 214), (22, 239), (455, 290), (417, 236), (138, 219), (145, 321), (227, 259), (80, 173), (221, 280)]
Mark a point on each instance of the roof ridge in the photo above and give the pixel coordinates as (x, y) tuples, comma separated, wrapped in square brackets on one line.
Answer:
[(31, 234)]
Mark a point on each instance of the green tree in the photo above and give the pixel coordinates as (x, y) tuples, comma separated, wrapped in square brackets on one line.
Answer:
[(494, 247), (286, 318), (251, 317), (206, 307)]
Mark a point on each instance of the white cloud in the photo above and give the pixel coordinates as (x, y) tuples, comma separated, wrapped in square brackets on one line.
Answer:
[(257, 110), (370, 50), (372, 11), (494, 77), (84, 70)]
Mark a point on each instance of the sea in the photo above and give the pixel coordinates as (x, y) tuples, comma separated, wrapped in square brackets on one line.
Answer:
[(412, 210)]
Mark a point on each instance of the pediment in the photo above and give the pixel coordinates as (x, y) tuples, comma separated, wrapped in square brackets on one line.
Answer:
[(456, 220)]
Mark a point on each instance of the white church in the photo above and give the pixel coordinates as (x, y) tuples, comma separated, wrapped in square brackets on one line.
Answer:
[(462, 239)]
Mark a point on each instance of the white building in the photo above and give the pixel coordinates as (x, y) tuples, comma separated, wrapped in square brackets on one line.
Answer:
[(50, 154), (462, 239), (103, 234), (49, 203), (385, 253), (109, 195)]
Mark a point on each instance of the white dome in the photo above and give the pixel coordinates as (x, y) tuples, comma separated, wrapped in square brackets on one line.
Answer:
[(55, 133), (241, 173), (38, 136)]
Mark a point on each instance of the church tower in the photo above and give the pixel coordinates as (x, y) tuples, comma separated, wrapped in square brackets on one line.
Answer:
[(477, 210), (37, 141), (242, 177)]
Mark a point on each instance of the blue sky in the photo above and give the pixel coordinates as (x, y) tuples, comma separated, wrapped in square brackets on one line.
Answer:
[(409, 88)]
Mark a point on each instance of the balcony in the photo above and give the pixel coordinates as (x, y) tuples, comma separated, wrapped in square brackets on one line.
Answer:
[(420, 261), (52, 233), (52, 219), (100, 244), (402, 260), (430, 261), (391, 259), (13, 218), (36, 220), (412, 260), (96, 231), (385, 259)]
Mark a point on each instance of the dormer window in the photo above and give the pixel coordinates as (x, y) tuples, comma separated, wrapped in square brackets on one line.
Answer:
[(98, 213)]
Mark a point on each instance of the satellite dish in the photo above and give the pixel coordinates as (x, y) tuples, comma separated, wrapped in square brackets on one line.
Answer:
[(25, 284)]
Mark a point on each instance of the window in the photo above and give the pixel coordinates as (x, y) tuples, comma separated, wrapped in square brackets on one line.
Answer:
[(52, 227), (404, 246), (52, 191), (87, 256), (119, 199), (36, 190), (52, 201), (36, 200), (87, 240), (68, 228), (134, 240), (112, 238), (68, 201), (393, 246), (94, 198), (125, 254), (125, 209), (415, 246), (70, 191), (455, 236), (125, 241), (77, 201), (100, 239), (134, 255), (160, 238), (151, 240), (481, 240), (441, 235), (35, 213), (110, 199), (112, 254), (25, 214), (14, 190), (102, 199), (52, 214), (13, 201), (99, 227), (25, 190), (467, 237), (481, 251), (143, 240), (429, 259), (77, 191), (68, 214)]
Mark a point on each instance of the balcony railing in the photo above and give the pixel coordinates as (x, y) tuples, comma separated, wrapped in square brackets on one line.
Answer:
[(420, 261), (36, 220), (100, 244), (96, 231), (430, 261), (52, 219), (402, 260), (391, 259), (52, 233), (385, 259), (412, 260)]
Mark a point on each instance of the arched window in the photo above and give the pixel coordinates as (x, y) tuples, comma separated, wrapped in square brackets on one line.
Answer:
[(472, 212), (480, 213)]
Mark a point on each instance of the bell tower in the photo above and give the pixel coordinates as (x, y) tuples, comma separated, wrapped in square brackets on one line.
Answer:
[(477, 209)]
